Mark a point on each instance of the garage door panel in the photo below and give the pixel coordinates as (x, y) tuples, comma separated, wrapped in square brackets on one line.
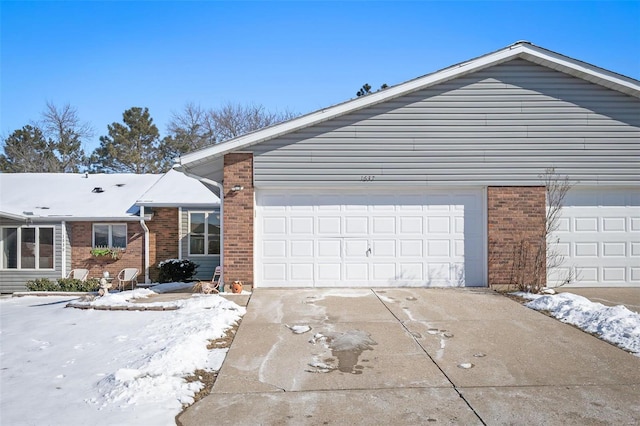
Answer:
[(411, 248), (438, 225), (329, 272), (274, 248), (274, 225), (302, 248), (586, 224), (301, 226), (614, 224), (330, 248), (274, 271), (356, 248), (384, 272), (411, 224), (384, 248), (370, 239), (439, 248), (329, 225), (356, 271)]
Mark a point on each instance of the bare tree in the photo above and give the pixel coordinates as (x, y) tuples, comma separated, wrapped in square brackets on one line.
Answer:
[(63, 127), (233, 120), (195, 128)]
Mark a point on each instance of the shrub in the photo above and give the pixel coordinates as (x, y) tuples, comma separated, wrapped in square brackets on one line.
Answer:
[(63, 284), (70, 284), (176, 270), (42, 284)]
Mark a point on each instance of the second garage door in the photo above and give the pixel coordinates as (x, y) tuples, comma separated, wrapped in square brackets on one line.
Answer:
[(309, 239), (598, 238)]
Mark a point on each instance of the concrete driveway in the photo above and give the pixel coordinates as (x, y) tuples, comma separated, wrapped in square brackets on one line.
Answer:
[(414, 356)]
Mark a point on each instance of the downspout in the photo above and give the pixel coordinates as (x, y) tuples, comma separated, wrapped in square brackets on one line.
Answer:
[(146, 245), (180, 233), (63, 255), (221, 193)]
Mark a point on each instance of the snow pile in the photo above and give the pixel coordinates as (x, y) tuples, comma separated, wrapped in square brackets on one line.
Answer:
[(617, 324), (106, 367)]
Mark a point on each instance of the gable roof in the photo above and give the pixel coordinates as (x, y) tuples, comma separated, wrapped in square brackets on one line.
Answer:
[(79, 196), (175, 189), (521, 49)]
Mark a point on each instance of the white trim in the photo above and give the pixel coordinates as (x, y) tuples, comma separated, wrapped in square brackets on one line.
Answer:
[(522, 50), (110, 225), (36, 251), (206, 213)]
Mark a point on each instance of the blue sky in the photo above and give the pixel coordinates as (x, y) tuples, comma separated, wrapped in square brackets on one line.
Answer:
[(105, 57)]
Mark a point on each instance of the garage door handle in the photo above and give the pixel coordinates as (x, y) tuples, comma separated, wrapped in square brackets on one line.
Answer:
[(368, 251)]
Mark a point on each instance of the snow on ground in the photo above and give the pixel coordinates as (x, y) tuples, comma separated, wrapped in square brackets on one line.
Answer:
[(65, 366), (615, 324)]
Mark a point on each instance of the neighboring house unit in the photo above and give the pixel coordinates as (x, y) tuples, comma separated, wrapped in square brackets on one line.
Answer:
[(50, 222), (432, 181)]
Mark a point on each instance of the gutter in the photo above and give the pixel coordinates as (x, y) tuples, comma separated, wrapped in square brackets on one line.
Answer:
[(146, 245), (221, 196)]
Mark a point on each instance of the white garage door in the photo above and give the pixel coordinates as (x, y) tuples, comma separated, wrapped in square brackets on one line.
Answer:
[(599, 237), (309, 239)]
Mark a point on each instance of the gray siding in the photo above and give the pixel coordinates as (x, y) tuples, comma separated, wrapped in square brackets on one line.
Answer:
[(207, 264), (12, 280), (500, 126)]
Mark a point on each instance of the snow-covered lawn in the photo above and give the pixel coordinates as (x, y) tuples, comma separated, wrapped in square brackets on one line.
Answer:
[(66, 366), (615, 324)]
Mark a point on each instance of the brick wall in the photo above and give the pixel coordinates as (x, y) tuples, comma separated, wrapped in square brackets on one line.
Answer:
[(163, 238), (238, 218), (81, 244), (516, 227)]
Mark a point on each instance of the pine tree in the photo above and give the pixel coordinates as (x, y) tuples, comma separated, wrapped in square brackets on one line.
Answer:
[(131, 147)]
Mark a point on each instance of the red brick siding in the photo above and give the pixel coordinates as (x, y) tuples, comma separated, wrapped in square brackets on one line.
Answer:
[(81, 237), (515, 214), (163, 238), (238, 218)]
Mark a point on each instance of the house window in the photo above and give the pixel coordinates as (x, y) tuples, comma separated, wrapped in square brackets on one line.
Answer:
[(110, 235), (204, 233), (26, 248)]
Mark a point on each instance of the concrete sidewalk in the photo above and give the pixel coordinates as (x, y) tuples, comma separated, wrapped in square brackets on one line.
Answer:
[(414, 356)]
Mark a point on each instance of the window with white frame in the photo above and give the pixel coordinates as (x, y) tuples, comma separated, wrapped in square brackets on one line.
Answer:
[(110, 235), (204, 233), (26, 247)]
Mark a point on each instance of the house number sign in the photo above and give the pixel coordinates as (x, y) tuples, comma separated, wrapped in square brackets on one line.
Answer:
[(367, 178)]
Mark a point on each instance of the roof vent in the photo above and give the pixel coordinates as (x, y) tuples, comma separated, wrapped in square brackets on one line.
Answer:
[(43, 208), (26, 213), (120, 185), (97, 190)]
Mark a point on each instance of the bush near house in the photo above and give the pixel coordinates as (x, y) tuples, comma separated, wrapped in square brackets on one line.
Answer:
[(176, 270), (63, 284)]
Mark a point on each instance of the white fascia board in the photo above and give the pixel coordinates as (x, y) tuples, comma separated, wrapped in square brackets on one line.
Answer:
[(188, 205), (526, 51), (582, 69), (87, 219), (13, 216)]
